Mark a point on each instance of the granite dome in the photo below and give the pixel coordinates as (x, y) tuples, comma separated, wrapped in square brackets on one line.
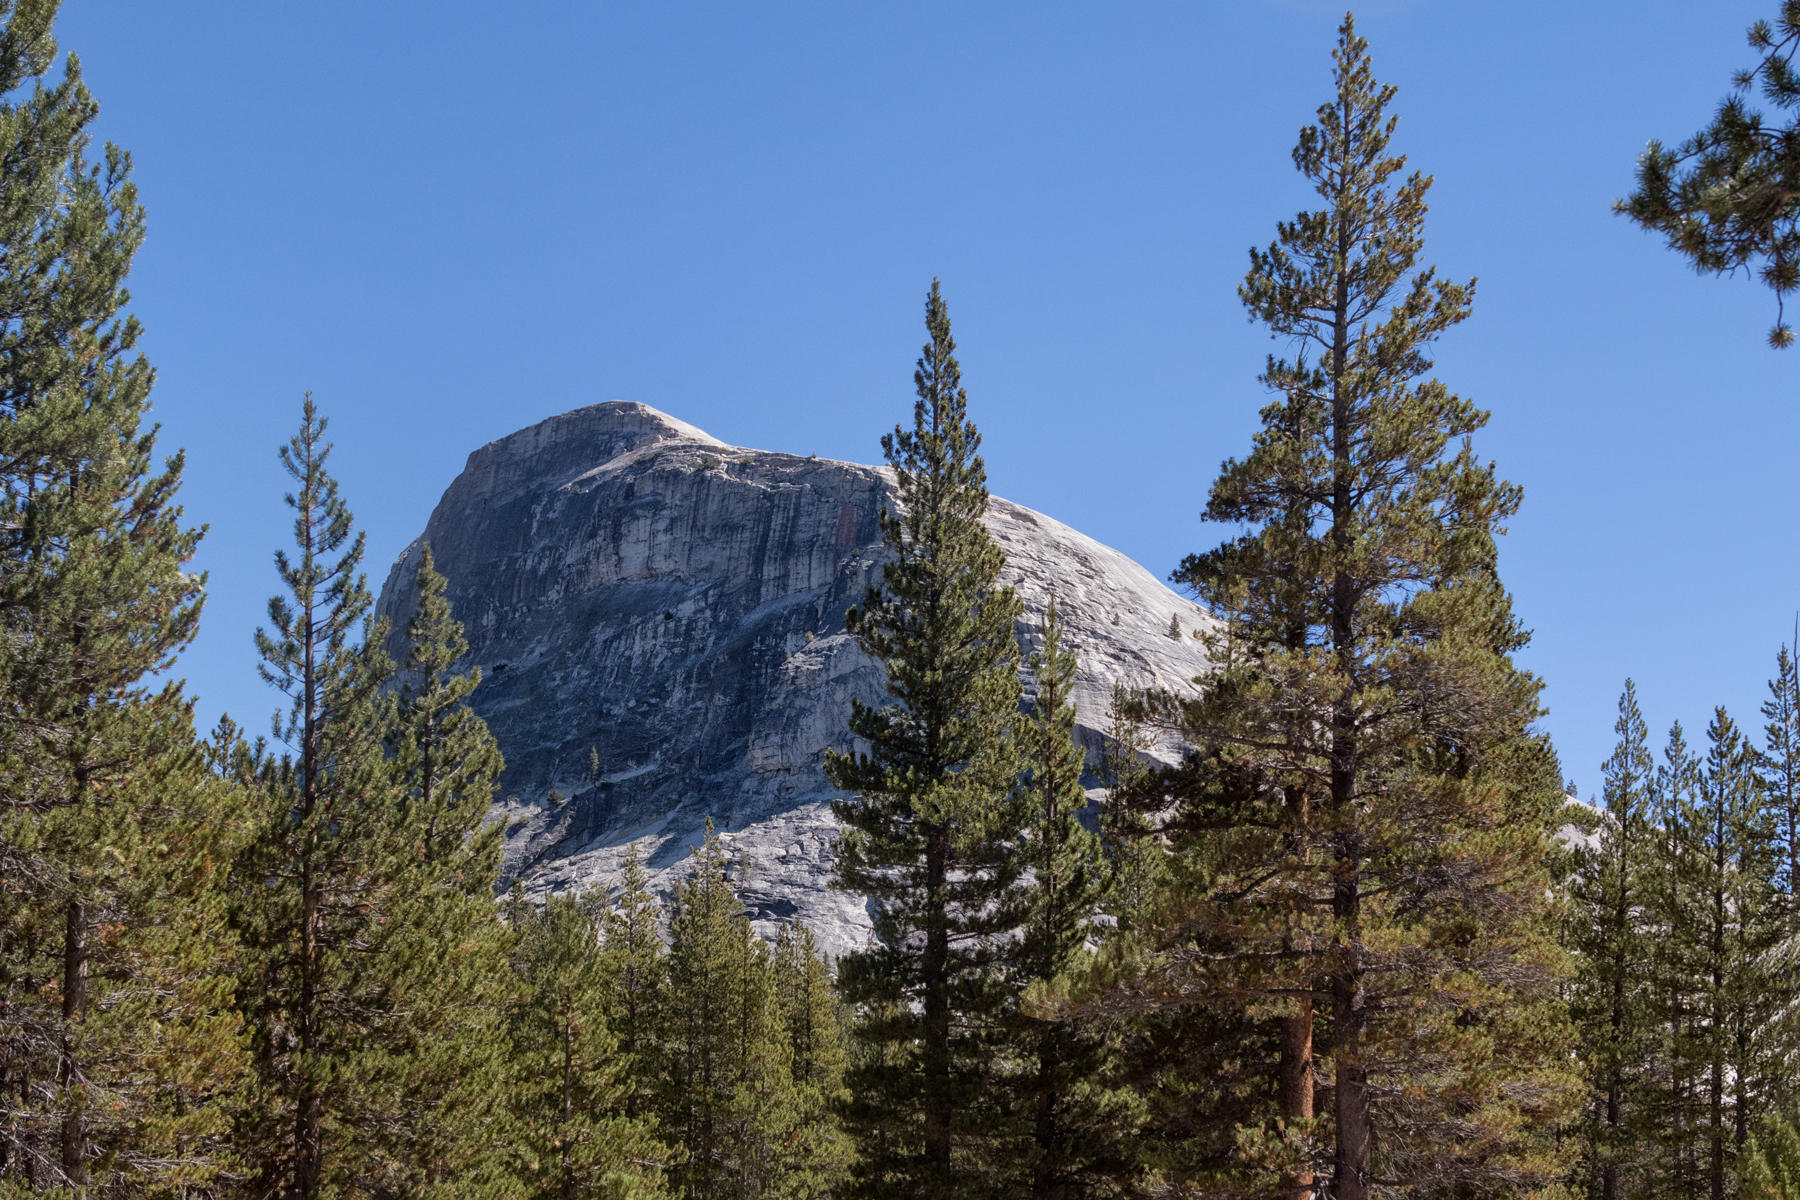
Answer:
[(649, 601)]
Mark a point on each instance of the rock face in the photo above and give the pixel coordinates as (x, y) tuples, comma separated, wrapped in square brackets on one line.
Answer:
[(659, 620)]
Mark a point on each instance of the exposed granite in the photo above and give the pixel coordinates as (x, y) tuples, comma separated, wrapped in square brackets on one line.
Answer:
[(644, 595)]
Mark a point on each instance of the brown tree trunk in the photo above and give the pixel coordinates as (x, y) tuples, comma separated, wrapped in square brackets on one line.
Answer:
[(1350, 1093), (1295, 1081), (1296, 1087)]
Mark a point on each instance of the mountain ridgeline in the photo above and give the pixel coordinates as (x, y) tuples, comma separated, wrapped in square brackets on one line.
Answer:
[(659, 619)]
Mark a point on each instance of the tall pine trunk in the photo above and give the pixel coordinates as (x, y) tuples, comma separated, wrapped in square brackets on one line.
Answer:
[(934, 812), (1351, 1100), (1360, 588), (1295, 1084)]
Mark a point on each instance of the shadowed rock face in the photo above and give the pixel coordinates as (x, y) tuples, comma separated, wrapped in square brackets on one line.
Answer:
[(659, 621)]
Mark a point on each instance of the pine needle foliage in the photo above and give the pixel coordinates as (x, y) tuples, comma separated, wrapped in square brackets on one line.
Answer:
[(1128, 833), (1368, 816), (1684, 996), (1075, 1122), (636, 969), (380, 989), (1728, 198), (1770, 1164), (934, 809), (572, 1133), (1730, 931), (1780, 766), (446, 962), (728, 1099), (446, 758), (1610, 1000), (315, 894), (819, 1058), (120, 1056), (1678, 1000)]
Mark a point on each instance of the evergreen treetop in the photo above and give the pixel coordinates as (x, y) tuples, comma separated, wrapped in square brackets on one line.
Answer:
[(935, 809), (117, 1053), (569, 1090), (1380, 805), (1075, 1123)]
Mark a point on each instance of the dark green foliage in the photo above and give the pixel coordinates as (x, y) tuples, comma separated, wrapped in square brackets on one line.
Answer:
[(636, 970), (318, 883), (1075, 1125), (379, 988), (1610, 896), (1127, 833), (569, 1093), (935, 809), (728, 1097), (1676, 986), (1728, 930), (1770, 1165), (1780, 764), (1681, 998), (122, 1040), (1728, 198), (817, 1042), (1366, 822), (119, 1052), (446, 759), (446, 961)]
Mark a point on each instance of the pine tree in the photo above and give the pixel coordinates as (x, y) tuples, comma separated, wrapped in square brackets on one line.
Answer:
[(763, 1143), (447, 758), (446, 962), (321, 887), (816, 1036), (935, 807), (1676, 993), (121, 1035), (1780, 763), (1734, 836), (1127, 833), (570, 1090), (119, 1052), (636, 969), (728, 1099), (1369, 815), (1614, 950), (1770, 1164), (1728, 198), (1076, 1123)]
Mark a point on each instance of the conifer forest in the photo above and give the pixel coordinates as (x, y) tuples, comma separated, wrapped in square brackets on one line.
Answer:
[(1358, 939)]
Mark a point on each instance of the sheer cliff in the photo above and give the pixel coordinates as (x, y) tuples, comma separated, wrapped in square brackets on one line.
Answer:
[(659, 619)]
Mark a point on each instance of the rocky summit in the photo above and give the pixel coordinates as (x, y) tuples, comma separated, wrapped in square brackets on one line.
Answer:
[(659, 621)]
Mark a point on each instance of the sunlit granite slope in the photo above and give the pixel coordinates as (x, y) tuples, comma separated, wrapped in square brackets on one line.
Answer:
[(659, 617)]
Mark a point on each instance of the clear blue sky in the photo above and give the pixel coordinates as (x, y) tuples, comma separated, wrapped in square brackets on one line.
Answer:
[(452, 219)]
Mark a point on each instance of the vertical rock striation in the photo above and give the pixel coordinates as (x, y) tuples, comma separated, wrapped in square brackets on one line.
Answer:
[(659, 618)]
